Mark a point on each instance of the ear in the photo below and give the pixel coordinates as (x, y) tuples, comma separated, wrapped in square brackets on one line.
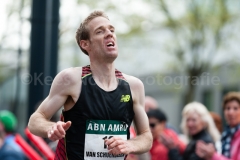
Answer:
[(84, 44)]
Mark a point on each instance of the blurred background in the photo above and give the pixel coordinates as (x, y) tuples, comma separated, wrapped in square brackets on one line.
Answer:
[(182, 50)]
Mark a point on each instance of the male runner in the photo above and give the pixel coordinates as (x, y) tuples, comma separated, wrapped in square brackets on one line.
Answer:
[(99, 102)]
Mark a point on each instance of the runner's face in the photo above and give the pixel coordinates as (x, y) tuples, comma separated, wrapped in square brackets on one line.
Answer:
[(232, 113), (103, 41)]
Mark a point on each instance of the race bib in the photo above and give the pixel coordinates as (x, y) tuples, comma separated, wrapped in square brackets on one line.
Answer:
[(99, 130)]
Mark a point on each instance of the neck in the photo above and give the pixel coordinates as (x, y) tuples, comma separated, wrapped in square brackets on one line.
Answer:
[(199, 134), (104, 75), (233, 126)]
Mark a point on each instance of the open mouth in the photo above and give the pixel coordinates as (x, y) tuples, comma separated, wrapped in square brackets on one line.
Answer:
[(110, 44)]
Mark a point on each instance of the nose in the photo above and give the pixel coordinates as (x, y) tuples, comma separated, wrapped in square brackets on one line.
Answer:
[(231, 111), (190, 124), (109, 33)]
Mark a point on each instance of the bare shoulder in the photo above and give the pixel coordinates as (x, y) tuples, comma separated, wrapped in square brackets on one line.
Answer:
[(137, 91), (134, 82), (69, 76), (67, 83)]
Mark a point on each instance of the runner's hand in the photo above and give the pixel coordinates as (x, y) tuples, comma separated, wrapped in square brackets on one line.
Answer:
[(117, 145), (58, 130)]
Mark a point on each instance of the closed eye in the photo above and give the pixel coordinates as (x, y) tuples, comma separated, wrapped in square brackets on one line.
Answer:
[(99, 32)]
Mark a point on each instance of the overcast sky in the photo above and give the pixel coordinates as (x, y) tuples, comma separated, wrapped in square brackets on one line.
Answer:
[(137, 55)]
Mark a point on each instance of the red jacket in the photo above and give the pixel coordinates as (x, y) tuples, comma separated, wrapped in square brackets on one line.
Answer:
[(159, 151)]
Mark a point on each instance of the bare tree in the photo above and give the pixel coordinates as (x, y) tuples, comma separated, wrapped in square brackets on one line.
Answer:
[(197, 35), (13, 28)]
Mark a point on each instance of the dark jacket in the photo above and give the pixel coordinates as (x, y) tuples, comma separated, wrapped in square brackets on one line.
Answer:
[(189, 153)]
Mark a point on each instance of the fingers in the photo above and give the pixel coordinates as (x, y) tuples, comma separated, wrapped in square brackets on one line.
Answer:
[(167, 141), (117, 145), (117, 150), (58, 130), (199, 152), (67, 125), (201, 143), (204, 150), (200, 149), (110, 142), (114, 143)]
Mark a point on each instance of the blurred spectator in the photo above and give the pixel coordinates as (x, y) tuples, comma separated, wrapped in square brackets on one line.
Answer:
[(150, 103), (9, 122), (217, 120), (197, 124), (6, 151), (230, 136), (157, 123)]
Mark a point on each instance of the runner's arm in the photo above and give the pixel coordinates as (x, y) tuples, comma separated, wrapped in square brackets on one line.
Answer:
[(143, 141), (39, 122)]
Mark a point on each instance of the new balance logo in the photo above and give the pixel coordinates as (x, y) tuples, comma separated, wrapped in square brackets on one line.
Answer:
[(125, 98)]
